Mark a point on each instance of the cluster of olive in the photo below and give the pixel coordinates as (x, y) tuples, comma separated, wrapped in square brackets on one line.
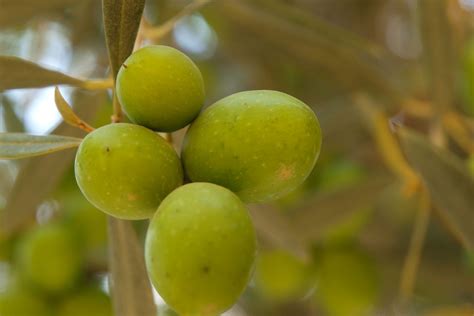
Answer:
[(252, 146), (48, 267)]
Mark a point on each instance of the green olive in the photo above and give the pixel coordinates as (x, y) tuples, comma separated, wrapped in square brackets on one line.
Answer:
[(89, 301), (200, 249), (50, 259), (160, 88), (468, 77), (22, 303), (281, 276), (126, 170), (259, 144), (347, 282)]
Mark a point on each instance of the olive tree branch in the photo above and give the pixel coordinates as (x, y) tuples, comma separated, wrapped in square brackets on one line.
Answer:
[(413, 257)]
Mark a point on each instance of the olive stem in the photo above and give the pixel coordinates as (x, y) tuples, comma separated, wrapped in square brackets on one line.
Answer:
[(98, 84), (413, 257), (117, 115)]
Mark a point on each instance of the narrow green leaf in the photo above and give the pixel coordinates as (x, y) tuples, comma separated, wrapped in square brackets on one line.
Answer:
[(131, 287), (439, 52), (311, 220), (39, 176), (68, 114), (320, 45), (448, 181), (20, 145), (26, 74), (121, 22)]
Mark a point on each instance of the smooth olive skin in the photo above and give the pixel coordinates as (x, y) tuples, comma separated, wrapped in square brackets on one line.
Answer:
[(200, 249), (161, 88), (126, 170), (50, 258), (259, 144)]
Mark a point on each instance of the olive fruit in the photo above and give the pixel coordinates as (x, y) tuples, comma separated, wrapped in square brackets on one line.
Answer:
[(259, 144), (126, 170), (347, 281), (48, 258), (89, 301), (160, 88), (200, 249), (281, 276), (468, 77), (22, 303)]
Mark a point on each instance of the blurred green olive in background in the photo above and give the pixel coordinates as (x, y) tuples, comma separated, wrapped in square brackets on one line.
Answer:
[(280, 276), (50, 258), (347, 281), (86, 302), (20, 302)]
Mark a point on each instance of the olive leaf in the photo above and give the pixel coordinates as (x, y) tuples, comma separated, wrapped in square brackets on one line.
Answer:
[(121, 22), (312, 219), (20, 145), (26, 74), (439, 51), (68, 114), (39, 176), (319, 44), (131, 287), (14, 12), (450, 185)]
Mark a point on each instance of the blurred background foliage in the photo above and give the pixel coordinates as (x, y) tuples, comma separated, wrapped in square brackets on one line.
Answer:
[(384, 225)]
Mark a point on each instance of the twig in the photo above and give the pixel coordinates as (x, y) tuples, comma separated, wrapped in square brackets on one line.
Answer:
[(413, 257), (98, 84), (387, 144), (158, 32), (117, 115)]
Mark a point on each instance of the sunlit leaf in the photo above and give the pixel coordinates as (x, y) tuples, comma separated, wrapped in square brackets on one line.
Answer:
[(449, 183), (68, 114), (20, 145), (21, 73), (121, 22), (39, 176), (131, 287)]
